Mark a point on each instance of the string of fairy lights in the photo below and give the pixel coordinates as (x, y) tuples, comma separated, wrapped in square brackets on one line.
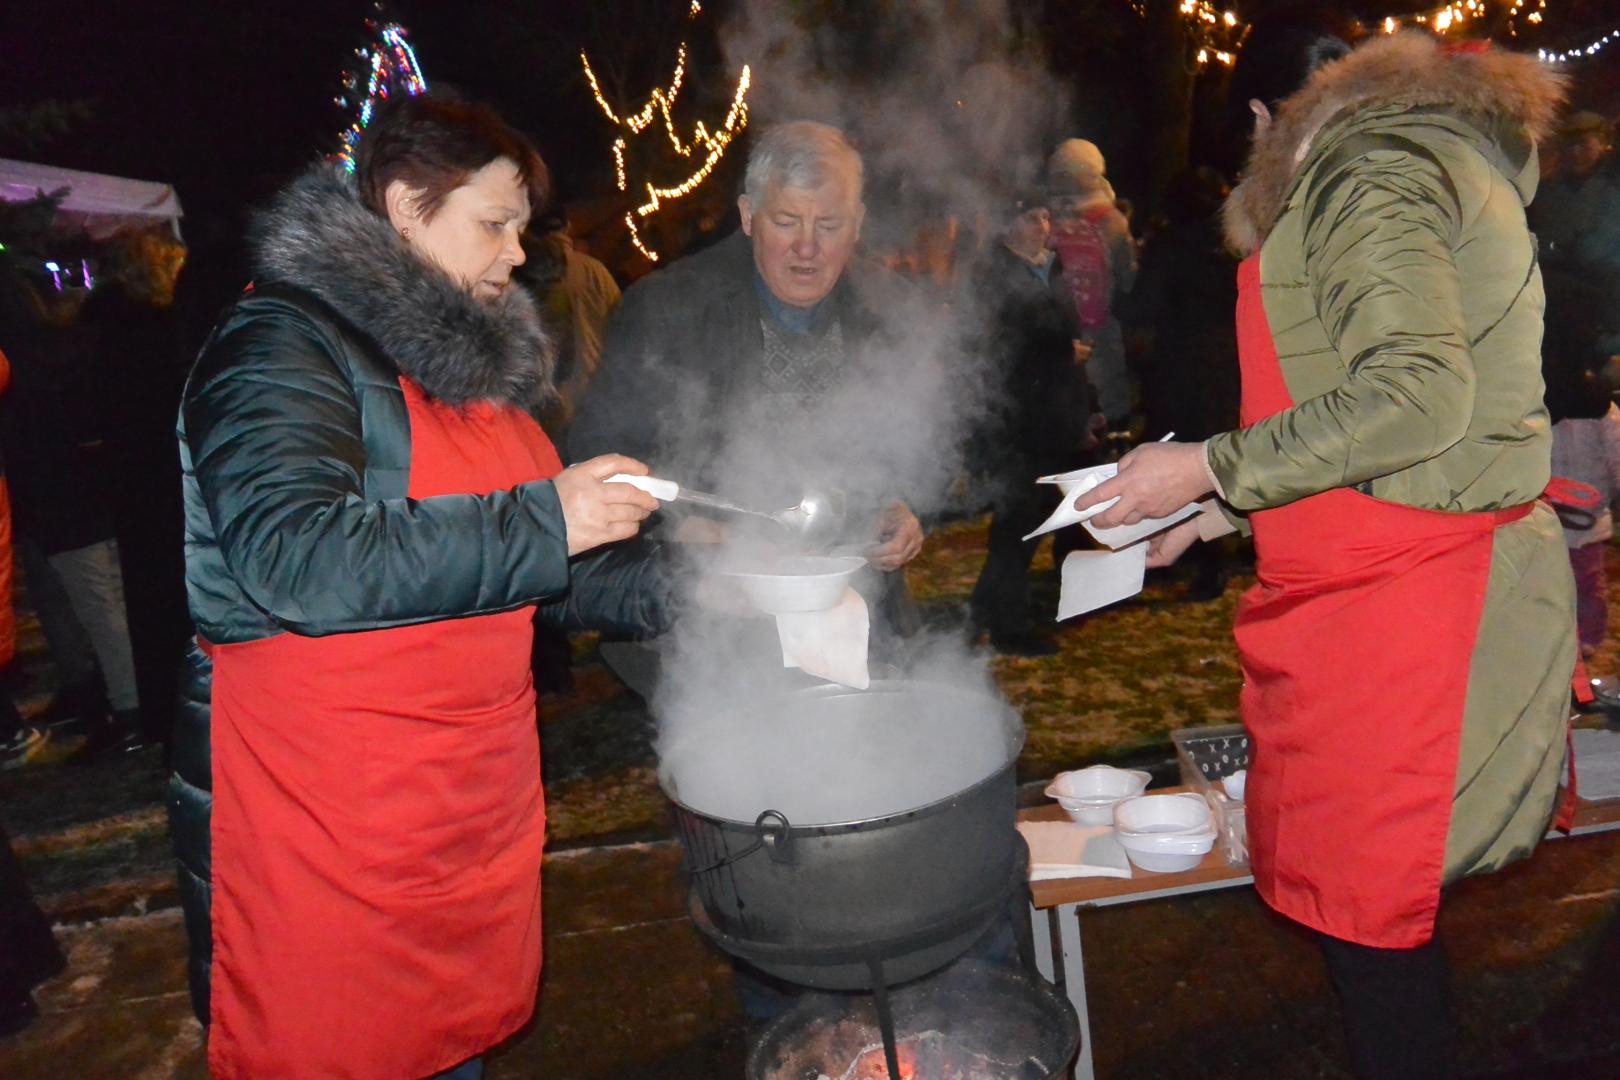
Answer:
[(709, 145), (1218, 33), (1582, 52), (1458, 13)]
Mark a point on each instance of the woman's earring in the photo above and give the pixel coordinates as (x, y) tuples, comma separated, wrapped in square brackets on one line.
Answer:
[(405, 233)]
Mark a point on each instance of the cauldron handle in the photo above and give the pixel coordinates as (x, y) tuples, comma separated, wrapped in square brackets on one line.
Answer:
[(774, 833)]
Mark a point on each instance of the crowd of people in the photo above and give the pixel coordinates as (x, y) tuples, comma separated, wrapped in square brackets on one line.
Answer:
[(392, 464)]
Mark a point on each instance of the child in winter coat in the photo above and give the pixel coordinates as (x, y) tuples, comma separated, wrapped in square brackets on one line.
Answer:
[(1586, 451)]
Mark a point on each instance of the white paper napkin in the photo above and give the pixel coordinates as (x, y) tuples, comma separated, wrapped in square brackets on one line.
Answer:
[(1063, 849), (829, 644), (1597, 763), (1123, 536), (1094, 579)]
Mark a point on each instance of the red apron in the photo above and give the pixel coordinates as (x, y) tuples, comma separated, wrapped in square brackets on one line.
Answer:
[(378, 818), (1356, 646)]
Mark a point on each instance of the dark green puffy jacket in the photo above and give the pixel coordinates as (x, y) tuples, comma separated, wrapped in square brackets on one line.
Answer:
[(295, 446)]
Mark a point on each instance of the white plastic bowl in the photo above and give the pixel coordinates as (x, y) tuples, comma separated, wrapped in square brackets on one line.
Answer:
[(1166, 862), (1165, 833), (795, 582), (1088, 795)]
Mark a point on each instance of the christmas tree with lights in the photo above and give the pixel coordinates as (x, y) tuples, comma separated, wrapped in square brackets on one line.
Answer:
[(383, 68)]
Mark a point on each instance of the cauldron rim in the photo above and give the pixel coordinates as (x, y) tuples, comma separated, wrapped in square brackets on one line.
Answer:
[(1014, 726)]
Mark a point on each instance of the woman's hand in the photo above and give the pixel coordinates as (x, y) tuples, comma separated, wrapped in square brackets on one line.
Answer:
[(1166, 547), (1155, 480), (597, 513)]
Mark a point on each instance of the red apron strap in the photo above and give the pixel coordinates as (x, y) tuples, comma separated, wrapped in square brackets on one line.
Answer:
[(1565, 818)]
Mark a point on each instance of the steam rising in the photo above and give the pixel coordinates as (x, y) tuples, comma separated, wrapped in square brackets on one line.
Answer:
[(949, 101), (952, 110)]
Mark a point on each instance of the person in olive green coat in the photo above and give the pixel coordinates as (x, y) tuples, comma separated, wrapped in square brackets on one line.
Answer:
[(1409, 648)]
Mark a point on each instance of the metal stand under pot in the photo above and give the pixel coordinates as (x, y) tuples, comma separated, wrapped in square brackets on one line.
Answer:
[(966, 1018)]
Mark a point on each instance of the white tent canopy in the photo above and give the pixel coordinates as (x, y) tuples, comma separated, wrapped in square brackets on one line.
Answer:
[(105, 204)]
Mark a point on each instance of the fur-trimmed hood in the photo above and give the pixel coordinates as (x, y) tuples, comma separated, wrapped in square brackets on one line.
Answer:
[(317, 235), (1488, 85)]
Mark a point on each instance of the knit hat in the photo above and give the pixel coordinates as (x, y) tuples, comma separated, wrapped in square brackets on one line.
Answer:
[(1021, 200), (1076, 157)]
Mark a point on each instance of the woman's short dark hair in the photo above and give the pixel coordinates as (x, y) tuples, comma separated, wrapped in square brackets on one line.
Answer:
[(434, 145)]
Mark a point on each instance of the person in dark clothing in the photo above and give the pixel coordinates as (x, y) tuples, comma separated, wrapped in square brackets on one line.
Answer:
[(1576, 218), (576, 295), (138, 370), (1182, 308), (1181, 312), (28, 952), (60, 473), (1039, 422)]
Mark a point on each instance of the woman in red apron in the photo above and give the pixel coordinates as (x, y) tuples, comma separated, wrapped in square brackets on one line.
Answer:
[(1408, 649), (373, 522)]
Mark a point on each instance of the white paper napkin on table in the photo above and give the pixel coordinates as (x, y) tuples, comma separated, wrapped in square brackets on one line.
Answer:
[(829, 644), (1597, 763), (1062, 849), (1095, 579)]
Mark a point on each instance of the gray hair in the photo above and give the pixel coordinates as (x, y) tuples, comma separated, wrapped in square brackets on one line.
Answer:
[(799, 154)]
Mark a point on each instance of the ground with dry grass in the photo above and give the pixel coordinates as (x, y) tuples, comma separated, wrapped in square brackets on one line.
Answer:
[(1124, 678)]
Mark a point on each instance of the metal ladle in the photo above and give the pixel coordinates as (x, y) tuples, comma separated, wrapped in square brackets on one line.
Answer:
[(816, 520)]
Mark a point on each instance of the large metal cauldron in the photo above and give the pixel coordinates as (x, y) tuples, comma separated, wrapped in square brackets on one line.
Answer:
[(815, 903)]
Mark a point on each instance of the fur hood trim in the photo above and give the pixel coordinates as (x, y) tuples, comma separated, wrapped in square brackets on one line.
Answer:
[(317, 235), (1411, 68)]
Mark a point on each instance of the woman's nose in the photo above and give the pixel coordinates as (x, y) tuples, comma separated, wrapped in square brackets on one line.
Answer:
[(514, 254)]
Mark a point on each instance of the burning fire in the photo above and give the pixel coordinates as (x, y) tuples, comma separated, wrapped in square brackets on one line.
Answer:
[(873, 1065)]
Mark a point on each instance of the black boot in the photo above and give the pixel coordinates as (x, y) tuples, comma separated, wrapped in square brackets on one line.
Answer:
[(125, 733)]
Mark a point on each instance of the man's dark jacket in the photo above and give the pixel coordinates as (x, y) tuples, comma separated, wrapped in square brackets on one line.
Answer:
[(296, 449), (1038, 401), (683, 351)]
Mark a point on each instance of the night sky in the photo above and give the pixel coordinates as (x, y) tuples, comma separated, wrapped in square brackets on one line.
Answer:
[(225, 98)]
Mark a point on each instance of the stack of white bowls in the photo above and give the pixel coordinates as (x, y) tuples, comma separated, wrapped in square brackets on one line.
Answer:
[(1165, 833), (1090, 795)]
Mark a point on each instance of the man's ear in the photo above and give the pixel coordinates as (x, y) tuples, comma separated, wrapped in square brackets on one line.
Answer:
[(400, 201), (746, 209)]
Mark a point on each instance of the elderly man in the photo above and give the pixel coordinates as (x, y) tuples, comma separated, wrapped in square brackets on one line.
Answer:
[(728, 370)]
